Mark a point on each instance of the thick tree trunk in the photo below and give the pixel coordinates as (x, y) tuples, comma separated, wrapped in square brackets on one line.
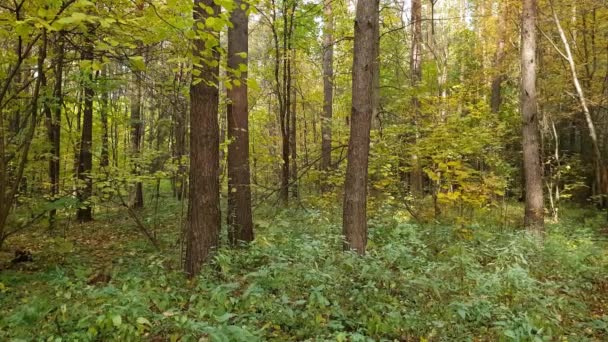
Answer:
[(85, 156), (240, 222), (534, 212), (204, 205), (355, 187), (328, 84), (415, 177)]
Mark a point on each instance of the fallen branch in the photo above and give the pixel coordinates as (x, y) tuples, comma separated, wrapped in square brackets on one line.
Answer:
[(22, 227), (140, 225)]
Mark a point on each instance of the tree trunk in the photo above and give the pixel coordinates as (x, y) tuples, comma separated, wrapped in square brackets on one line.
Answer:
[(179, 136), (53, 124), (204, 205), (104, 160), (355, 187), (137, 195), (293, 141), (280, 83), (115, 139), (376, 120), (284, 194), (534, 212), (288, 21), (240, 222), (415, 176), (8, 188), (85, 157), (15, 119), (328, 84), (597, 155), (78, 121), (496, 96)]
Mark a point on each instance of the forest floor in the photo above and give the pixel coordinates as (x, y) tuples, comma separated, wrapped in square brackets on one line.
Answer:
[(419, 282)]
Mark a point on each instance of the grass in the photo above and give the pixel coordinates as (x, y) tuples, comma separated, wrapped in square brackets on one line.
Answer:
[(429, 282)]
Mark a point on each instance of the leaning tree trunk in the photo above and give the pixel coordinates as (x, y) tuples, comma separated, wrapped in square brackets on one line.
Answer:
[(204, 205), (534, 212), (597, 155), (240, 222), (355, 187)]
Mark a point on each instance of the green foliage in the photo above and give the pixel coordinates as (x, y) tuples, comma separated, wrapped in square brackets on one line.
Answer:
[(466, 276), (293, 283)]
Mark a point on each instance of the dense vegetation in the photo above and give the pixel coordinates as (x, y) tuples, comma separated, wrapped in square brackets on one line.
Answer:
[(241, 170), (417, 282)]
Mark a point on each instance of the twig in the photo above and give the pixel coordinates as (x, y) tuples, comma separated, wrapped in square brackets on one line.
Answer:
[(305, 169), (24, 226)]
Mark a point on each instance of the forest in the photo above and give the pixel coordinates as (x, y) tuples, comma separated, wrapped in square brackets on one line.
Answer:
[(303, 170)]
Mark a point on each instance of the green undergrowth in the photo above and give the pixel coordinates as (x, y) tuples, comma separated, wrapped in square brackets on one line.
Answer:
[(429, 282)]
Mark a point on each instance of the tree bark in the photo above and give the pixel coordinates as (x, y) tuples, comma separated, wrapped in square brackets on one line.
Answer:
[(415, 177), (179, 148), (534, 205), (285, 120), (328, 87), (85, 156), (204, 205), (376, 120), (15, 120), (280, 84), (355, 187), (293, 128), (53, 124), (240, 222), (137, 195), (496, 91), (104, 160)]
